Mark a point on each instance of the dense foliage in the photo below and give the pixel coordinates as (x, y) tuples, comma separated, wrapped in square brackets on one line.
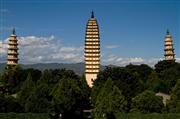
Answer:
[(168, 72), (24, 116), (174, 103), (69, 98), (62, 93), (138, 84), (147, 116), (123, 79), (147, 102), (109, 101), (54, 92)]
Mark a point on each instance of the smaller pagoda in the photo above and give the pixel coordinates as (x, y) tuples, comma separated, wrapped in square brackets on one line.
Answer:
[(169, 50), (12, 59)]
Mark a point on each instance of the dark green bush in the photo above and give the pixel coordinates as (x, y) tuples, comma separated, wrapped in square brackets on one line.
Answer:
[(147, 116), (24, 116)]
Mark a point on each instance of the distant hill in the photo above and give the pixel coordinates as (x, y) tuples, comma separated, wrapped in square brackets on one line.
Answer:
[(2, 66), (78, 68)]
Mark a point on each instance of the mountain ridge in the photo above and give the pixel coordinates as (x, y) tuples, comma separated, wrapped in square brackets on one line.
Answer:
[(78, 68)]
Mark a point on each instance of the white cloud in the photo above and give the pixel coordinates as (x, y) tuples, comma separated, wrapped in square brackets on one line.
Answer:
[(3, 46), (136, 60), (34, 49), (35, 41), (178, 60), (111, 46), (119, 61)]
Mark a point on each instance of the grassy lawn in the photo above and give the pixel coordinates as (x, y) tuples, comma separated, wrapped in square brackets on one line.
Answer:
[(118, 116), (147, 116), (24, 116)]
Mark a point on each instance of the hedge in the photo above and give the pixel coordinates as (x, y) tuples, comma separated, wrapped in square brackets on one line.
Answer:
[(24, 116), (147, 116)]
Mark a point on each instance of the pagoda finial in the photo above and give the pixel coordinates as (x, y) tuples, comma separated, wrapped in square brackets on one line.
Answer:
[(14, 31), (167, 32), (92, 14)]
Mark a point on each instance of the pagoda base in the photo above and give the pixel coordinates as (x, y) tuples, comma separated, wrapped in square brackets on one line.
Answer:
[(90, 78)]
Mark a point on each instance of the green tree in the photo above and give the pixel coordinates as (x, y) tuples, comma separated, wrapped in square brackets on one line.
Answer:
[(35, 74), (155, 84), (69, 98), (3, 103), (9, 104), (142, 71), (169, 77), (124, 80), (63, 73), (52, 77), (47, 77), (147, 102), (39, 101), (174, 103), (10, 78), (12, 104), (168, 72), (26, 90), (109, 101), (163, 65), (13, 78)]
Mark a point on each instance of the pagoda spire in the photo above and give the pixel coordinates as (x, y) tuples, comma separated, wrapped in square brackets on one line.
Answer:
[(92, 14), (14, 31), (167, 32)]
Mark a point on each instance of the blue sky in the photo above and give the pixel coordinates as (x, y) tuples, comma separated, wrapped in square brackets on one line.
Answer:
[(129, 29)]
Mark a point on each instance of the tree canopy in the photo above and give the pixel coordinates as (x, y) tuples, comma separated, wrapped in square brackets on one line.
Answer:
[(116, 89), (110, 100), (147, 102), (174, 103)]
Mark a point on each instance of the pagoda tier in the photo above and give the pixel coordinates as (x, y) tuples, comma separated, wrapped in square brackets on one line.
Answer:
[(168, 47), (12, 59), (92, 50)]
